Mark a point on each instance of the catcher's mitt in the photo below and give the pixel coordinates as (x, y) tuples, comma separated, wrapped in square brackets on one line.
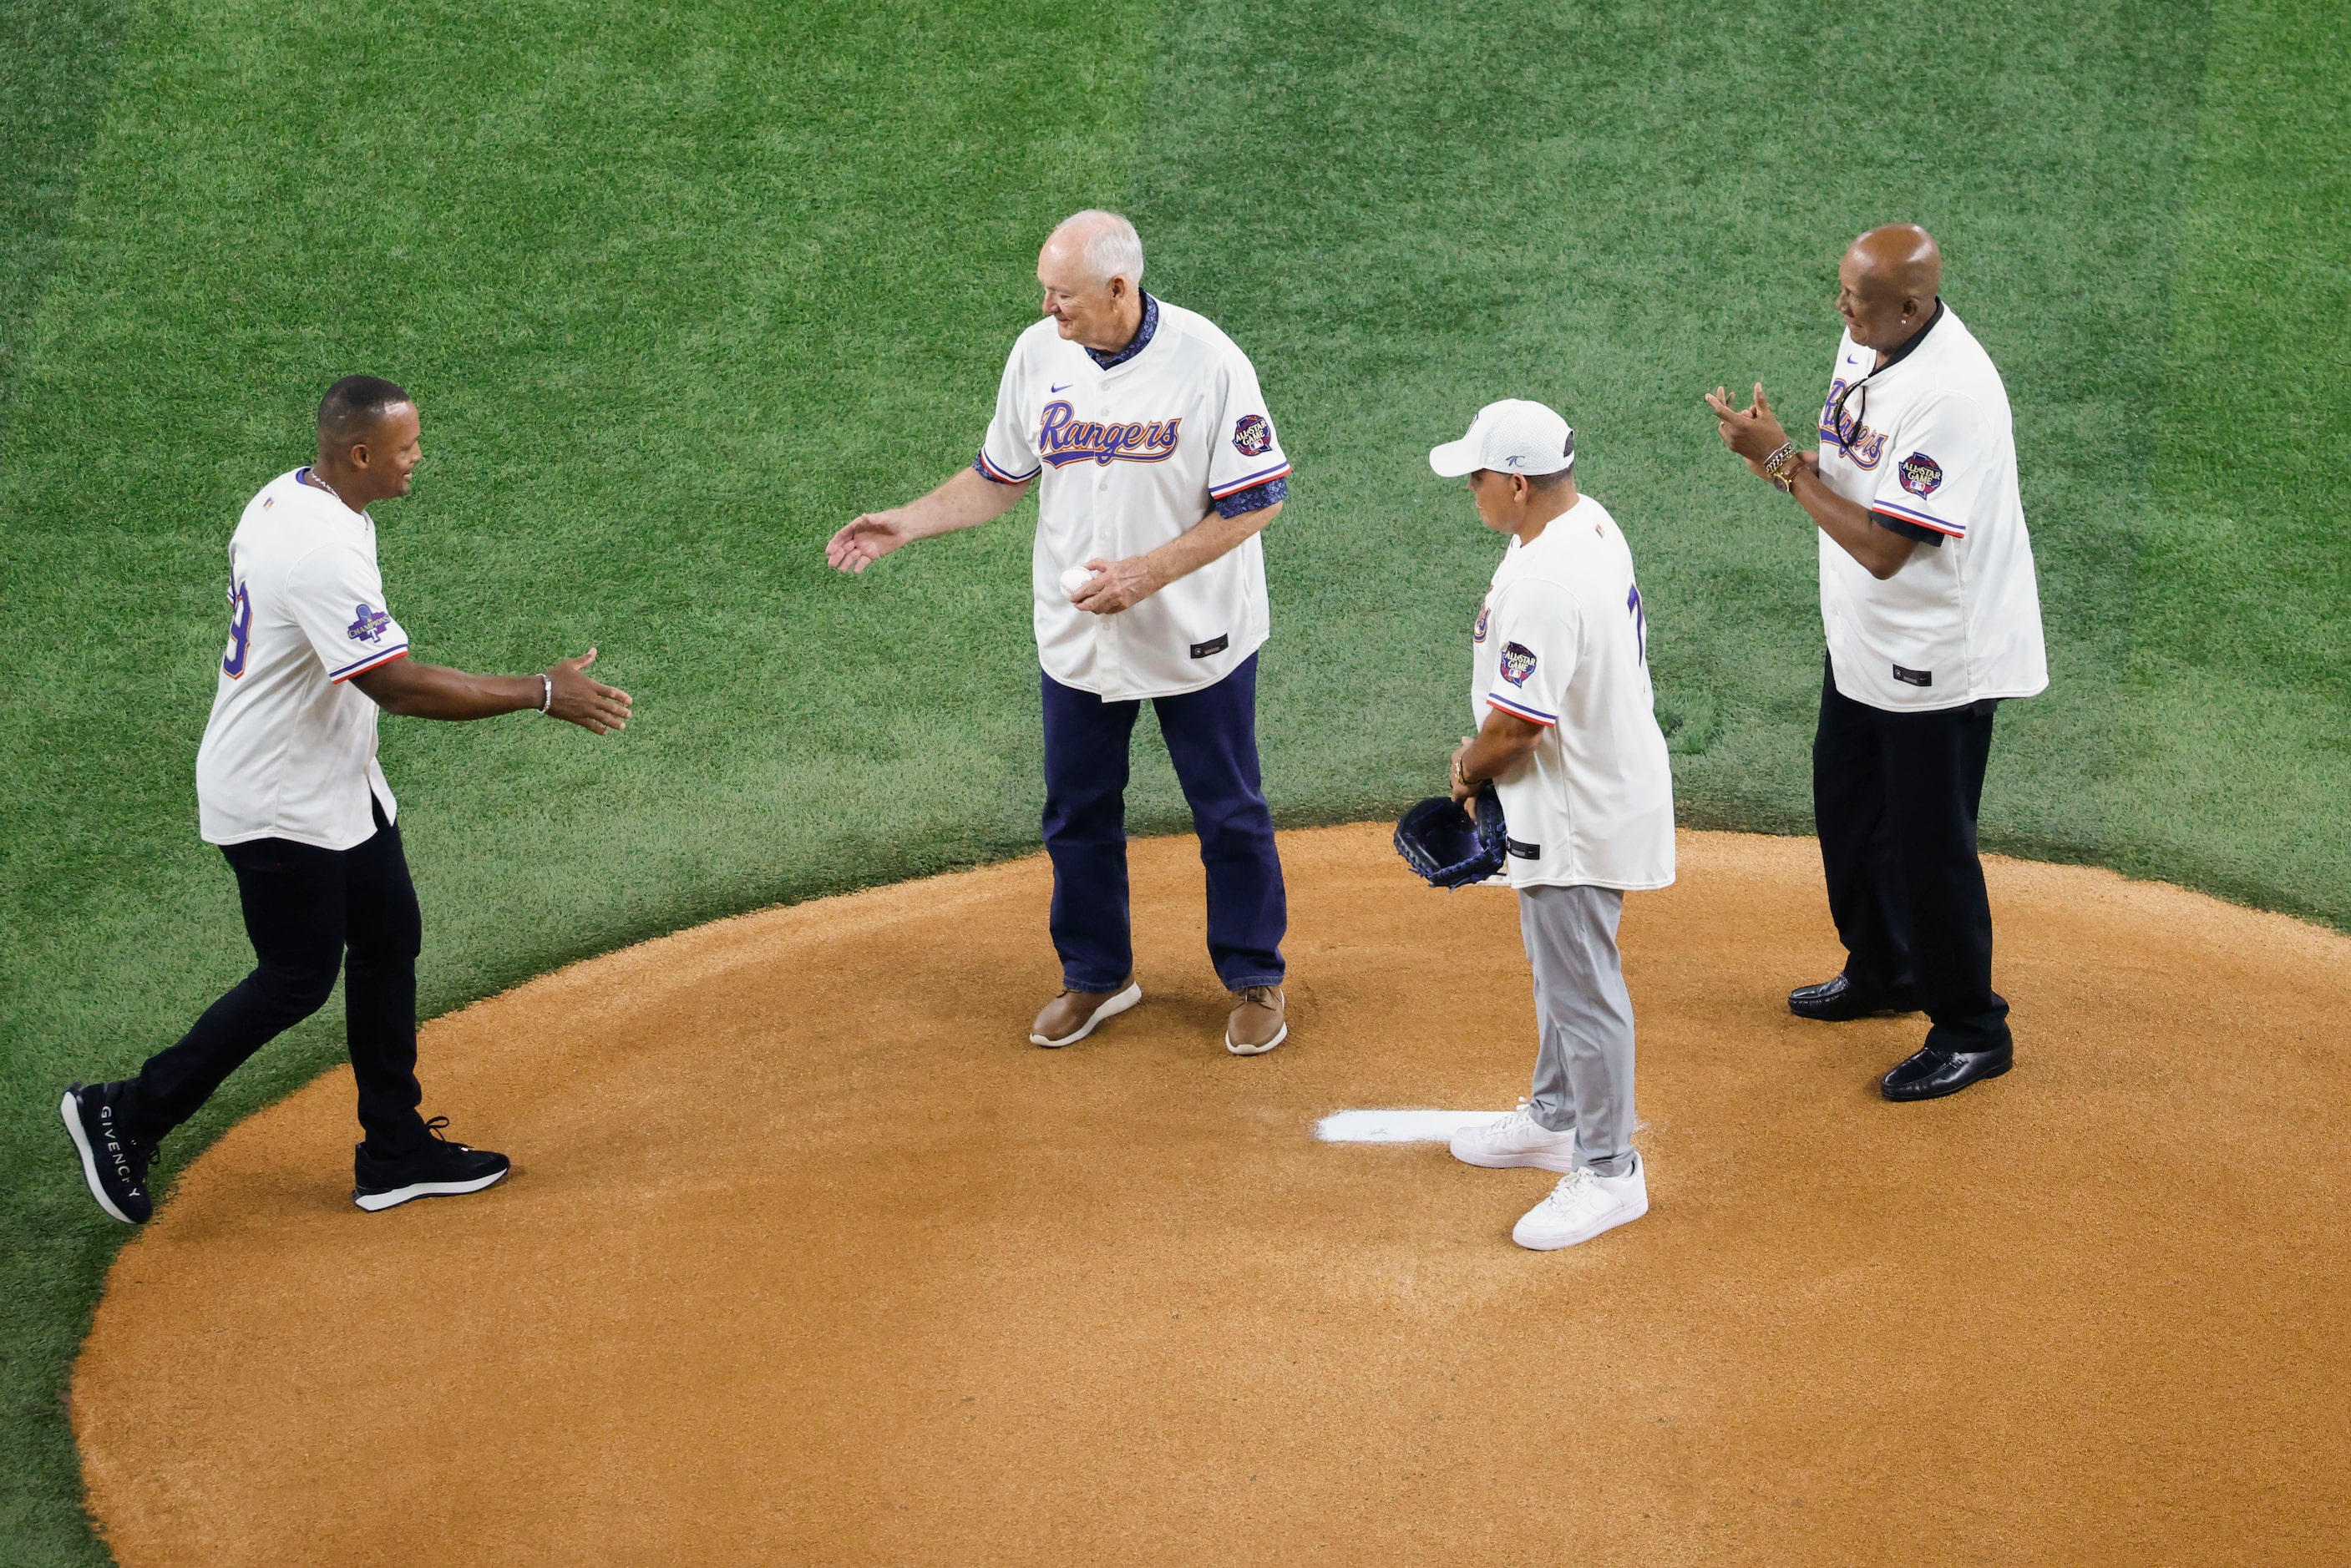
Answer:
[(1444, 845)]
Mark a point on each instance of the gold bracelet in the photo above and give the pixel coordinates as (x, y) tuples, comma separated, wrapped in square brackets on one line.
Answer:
[(1780, 467)]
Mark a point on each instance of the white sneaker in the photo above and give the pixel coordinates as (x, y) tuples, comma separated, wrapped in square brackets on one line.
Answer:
[(1516, 1141), (1582, 1206)]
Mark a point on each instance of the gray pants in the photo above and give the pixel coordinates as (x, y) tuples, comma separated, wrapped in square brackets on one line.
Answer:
[(1584, 1066)]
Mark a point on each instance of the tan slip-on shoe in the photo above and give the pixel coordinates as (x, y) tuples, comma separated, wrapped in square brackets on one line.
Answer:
[(1072, 1016), (1257, 1025)]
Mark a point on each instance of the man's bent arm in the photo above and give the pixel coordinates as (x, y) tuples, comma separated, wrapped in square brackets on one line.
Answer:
[(1755, 433), (1212, 538), (1501, 744), (1127, 583), (1855, 529)]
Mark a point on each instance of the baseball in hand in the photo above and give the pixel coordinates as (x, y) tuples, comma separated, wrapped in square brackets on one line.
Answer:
[(1075, 578)]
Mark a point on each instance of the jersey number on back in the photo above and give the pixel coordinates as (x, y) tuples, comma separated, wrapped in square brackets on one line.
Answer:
[(1640, 622), (240, 630)]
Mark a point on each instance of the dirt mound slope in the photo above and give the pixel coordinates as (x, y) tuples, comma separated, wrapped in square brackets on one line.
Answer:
[(811, 1258)]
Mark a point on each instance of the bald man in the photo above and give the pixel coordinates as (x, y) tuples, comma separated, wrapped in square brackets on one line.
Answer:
[(1141, 428), (1933, 618)]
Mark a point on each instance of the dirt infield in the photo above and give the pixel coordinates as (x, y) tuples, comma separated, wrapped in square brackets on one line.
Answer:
[(810, 1259)]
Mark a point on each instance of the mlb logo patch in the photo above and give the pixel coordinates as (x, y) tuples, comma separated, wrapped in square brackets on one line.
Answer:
[(1518, 662), (1919, 473), (1252, 435), (368, 625)]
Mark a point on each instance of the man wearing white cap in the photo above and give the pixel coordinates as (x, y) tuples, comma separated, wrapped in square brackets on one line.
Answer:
[(1568, 735)]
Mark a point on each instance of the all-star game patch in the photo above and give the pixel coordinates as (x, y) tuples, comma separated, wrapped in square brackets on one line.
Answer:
[(1252, 434), (1518, 662), (1919, 473), (368, 626)]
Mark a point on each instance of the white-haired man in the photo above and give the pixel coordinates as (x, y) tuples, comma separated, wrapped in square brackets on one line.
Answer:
[(1141, 428)]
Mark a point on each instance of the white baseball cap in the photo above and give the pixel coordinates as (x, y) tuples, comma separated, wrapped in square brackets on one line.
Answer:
[(1513, 436)]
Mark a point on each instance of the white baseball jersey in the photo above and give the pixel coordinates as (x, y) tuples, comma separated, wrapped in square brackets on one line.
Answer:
[(1131, 457), (1927, 446), (289, 752), (1563, 641)]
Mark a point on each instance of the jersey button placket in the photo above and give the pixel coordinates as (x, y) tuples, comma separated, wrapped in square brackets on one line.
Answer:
[(1106, 659)]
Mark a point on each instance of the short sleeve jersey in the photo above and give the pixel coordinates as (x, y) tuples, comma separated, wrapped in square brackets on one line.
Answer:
[(1926, 443), (1129, 458), (1562, 641), (290, 750)]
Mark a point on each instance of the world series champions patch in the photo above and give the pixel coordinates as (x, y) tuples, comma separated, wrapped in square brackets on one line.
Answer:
[(1518, 662), (1477, 632), (368, 625), (1919, 473), (1252, 434)]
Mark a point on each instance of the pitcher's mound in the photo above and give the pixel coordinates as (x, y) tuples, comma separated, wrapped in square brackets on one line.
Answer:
[(810, 1258)]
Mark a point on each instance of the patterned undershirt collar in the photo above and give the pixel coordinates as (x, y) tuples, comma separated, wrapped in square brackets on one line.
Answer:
[(1141, 340)]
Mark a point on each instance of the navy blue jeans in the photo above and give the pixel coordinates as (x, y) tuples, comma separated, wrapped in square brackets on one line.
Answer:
[(1212, 740)]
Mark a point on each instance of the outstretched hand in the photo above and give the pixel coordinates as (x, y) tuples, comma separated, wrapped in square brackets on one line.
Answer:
[(1753, 433), (591, 704), (866, 540)]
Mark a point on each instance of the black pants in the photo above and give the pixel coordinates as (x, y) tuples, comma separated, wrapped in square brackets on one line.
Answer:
[(1894, 797), (303, 908)]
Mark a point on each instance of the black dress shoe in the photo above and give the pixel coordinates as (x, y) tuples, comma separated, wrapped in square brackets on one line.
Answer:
[(1932, 1074), (1838, 1000)]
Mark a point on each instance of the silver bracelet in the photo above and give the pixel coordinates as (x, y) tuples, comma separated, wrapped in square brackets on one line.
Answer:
[(548, 701)]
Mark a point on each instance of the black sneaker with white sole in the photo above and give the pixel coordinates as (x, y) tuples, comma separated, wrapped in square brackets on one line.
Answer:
[(437, 1170), (112, 1162)]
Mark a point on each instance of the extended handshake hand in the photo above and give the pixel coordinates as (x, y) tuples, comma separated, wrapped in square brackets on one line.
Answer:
[(965, 500), (866, 540), (591, 704)]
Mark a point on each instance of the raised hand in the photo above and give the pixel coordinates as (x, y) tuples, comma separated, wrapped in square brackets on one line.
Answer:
[(1753, 433), (591, 704)]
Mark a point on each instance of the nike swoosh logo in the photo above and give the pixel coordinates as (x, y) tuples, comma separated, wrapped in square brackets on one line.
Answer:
[(1062, 388)]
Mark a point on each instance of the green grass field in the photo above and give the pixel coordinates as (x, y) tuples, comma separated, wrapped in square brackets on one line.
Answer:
[(682, 288)]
